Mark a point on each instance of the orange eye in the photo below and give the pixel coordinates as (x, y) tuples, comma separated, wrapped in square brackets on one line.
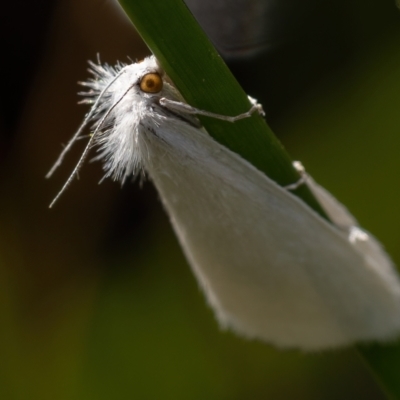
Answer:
[(151, 83)]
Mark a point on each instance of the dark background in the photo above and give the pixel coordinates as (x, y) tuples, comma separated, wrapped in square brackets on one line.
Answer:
[(96, 298)]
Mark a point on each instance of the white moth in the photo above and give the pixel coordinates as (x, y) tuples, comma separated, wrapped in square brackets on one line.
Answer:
[(270, 267)]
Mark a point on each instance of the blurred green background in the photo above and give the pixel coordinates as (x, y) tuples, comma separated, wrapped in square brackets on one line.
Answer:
[(96, 298)]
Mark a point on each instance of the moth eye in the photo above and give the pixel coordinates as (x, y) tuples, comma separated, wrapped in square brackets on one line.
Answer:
[(151, 83)]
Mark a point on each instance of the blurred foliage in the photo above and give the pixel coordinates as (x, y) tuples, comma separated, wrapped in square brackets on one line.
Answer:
[(96, 299)]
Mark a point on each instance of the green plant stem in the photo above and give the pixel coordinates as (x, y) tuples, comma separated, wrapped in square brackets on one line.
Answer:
[(199, 73), (190, 60)]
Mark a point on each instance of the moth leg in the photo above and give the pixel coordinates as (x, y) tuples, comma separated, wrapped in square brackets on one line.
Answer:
[(336, 212), (303, 176), (186, 108), (356, 234)]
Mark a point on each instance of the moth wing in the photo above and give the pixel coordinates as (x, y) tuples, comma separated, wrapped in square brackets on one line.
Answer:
[(270, 267)]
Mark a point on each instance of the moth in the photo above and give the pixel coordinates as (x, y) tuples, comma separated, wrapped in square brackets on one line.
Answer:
[(270, 267)]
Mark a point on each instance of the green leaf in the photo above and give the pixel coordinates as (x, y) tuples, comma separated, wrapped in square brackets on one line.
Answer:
[(188, 57), (200, 74)]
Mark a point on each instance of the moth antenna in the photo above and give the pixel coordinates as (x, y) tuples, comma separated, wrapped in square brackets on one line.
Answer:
[(74, 172), (82, 126), (88, 146)]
